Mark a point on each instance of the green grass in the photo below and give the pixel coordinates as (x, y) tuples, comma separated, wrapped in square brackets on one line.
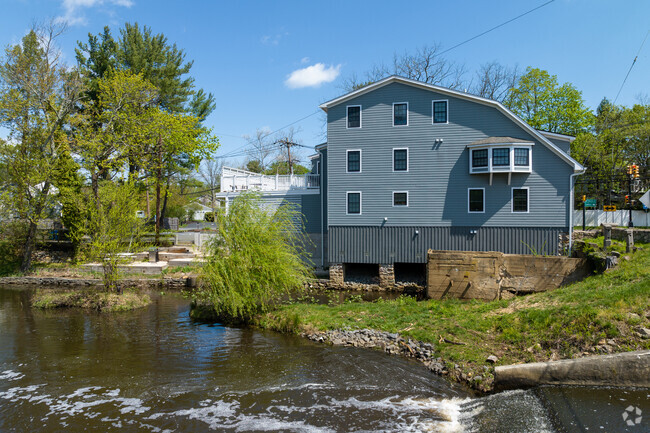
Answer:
[(89, 299), (563, 323)]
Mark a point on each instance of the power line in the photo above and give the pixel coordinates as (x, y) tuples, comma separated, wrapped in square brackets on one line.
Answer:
[(631, 66), (496, 27), (238, 151)]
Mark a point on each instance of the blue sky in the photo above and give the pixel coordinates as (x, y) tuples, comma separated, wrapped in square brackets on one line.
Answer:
[(270, 64)]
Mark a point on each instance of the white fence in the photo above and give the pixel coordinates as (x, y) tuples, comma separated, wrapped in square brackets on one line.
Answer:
[(233, 179), (196, 238), (595, 217)]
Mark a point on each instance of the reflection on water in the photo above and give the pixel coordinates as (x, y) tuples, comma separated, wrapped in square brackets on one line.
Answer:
[(154, 370)]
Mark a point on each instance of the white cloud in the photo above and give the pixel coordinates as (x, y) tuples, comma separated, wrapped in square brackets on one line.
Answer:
[(304, 60), (312, 76), (74, 9), (273, 39)]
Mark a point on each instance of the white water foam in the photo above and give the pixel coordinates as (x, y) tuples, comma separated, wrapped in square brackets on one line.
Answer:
[(11, 375)]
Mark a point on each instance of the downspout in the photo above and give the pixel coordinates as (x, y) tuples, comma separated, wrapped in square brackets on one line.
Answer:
[(571, 202), (322, 222)]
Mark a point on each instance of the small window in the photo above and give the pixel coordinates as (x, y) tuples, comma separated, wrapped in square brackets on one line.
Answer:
[(354, 161), (354, 203), (400, 159), (500, 157), (354, 116), (520, 199), (476, 200), (401, 198), (521, 156), (400, 114), (479, 158), (439, 111)]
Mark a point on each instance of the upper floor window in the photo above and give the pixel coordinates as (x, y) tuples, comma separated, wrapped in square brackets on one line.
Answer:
[(354, 161), (354, 203), (479, 158), (354, 116), (521, 156), (501, 157), (400, 114), (520, 199), (400, 159), (440, 112)]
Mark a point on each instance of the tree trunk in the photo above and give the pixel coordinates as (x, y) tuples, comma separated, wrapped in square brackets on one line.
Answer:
[(158, 181), (29, 248), (30, 240)]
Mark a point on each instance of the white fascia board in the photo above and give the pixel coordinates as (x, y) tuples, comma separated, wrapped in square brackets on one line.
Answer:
[(555, 135), (577, 167)]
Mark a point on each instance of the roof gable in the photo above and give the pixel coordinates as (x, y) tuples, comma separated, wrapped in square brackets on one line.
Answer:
[(577, 167)]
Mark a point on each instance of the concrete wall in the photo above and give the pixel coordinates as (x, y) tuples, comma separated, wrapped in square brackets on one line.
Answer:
[(493, 275)]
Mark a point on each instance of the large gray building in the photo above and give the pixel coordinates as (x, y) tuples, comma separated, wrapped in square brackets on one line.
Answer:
[(410, 166)]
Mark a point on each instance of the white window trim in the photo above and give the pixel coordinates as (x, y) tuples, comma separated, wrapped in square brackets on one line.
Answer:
[(408, 162), (347, 193), (511, 168), (360, 116), (407, 114), (360, 161), (512, 199), (433, 122), (468, 201), (407, 198)]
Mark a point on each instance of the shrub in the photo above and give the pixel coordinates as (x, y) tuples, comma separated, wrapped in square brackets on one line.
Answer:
[(256, 258)]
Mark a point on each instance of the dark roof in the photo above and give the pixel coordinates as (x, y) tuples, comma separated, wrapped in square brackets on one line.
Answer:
[(499, 140)]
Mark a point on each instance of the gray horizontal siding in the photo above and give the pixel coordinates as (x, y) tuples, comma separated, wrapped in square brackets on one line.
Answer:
[(438, 175), (400, 244)]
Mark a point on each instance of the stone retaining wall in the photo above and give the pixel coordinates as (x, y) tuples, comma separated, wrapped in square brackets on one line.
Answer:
[(493, 275), (141, 283)]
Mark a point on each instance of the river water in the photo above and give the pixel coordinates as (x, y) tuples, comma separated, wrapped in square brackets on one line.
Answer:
[(154, 370)]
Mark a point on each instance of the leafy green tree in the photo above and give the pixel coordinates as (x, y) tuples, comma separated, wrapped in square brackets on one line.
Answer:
[(255, 259), (37, 94), (282, 167), (113, 228), (115, 125), (620, 136), (544, 104)]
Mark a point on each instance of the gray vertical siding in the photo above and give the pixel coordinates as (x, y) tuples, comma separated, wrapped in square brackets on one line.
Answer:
[(438, 175), (401, 244)]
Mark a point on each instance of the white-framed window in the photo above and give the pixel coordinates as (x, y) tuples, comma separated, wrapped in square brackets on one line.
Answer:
[(400, 198), (353, 116), (440, 111), (501, 158), (400, 159), (353, 161), (353, 203), (520, 200), (400, 113), (476, 200)]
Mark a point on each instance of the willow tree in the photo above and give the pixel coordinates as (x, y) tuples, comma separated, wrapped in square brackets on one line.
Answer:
[(256, 258), (37, 94)]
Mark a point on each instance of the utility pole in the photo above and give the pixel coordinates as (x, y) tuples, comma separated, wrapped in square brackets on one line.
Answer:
[(289, 144)]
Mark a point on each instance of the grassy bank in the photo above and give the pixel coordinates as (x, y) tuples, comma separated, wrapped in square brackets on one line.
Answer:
[(89, 299), (598, 315)]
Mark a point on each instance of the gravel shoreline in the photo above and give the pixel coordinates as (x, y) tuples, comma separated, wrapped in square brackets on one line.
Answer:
[(394, 344)]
